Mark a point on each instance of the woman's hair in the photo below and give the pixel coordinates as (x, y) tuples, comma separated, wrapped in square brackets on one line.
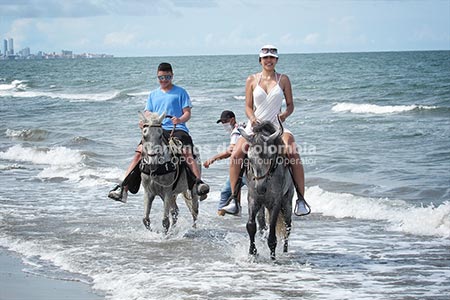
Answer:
[(165, 67)]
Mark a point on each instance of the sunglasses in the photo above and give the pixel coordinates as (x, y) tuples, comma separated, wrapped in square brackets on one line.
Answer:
[(165, 77), (269, 50)]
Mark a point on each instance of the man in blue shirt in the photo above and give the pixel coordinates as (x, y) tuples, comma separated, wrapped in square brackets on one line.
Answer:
[(175, 102)]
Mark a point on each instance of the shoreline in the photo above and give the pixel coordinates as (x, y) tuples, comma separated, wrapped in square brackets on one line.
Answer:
[(15, 284)]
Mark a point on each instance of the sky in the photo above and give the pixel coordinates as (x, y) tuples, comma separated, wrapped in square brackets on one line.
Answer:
[(223, 27)]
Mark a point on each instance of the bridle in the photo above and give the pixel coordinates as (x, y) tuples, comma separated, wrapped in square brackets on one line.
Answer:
[(167, 142), (274, 162)]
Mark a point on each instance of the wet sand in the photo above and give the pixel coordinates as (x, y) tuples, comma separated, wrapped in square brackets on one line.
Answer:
[(15, 284)]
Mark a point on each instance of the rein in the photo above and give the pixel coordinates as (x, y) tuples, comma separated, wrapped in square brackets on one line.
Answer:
[(273, 165), (170, 143)]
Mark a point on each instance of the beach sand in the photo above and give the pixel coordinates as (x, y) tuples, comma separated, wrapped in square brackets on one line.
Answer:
[(15, 284)]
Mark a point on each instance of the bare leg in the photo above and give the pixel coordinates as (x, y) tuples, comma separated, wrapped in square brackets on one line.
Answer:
[(298, 173), (191, 163)]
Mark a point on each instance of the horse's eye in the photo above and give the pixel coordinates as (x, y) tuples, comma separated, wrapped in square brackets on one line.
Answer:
[(145, 131)]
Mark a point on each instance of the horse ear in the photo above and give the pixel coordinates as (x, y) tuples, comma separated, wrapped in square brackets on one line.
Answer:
[(161, 118), (275, 135), (246, 136), (142, 117)]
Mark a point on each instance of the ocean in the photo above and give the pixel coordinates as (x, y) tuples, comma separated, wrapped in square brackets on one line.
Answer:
[(374, 134)]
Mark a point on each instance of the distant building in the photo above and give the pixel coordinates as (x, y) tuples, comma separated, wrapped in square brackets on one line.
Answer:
[(66, 54), (5, 47), (11, 46), (25, 52)]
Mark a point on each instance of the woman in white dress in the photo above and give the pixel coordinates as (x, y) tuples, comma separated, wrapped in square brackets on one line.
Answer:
[(264, 95)]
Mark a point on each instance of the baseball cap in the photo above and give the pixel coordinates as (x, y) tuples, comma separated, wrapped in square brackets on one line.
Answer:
[(268, 50), (226, 114)]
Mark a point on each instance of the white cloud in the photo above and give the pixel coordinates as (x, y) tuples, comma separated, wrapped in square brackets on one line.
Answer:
[(123, 38), (311, 39)]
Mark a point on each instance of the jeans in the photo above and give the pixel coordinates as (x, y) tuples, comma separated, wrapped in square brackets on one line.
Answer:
[(225, 193)]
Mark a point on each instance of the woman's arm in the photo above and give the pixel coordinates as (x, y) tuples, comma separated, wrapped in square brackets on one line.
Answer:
[(249, 86), (287, 90)]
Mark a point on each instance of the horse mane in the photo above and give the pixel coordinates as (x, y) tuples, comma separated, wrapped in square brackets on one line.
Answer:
[(263, 130), (264, 126)]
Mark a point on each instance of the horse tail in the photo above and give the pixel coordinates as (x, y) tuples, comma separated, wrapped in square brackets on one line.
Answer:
[(280, 228)]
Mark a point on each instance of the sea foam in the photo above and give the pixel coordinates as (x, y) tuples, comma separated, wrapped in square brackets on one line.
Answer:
[(52, 156), (15, 84), (376, 109), (401, 216), (19, 89)]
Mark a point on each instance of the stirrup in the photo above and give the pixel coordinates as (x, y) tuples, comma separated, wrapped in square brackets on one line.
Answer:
[(118, 194), (201, 188), (302, 207)]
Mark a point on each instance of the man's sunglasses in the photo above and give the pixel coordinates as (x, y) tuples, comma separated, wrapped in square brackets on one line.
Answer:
[(165, 77)]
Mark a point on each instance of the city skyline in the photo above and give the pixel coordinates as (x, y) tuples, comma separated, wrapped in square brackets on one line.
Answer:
[(8, 52)]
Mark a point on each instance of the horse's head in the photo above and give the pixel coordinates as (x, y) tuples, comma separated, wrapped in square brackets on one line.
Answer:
[(152, 137), (265, 145)]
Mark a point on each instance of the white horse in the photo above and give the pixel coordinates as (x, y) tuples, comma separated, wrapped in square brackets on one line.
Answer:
[(164, 172), (269, 184)]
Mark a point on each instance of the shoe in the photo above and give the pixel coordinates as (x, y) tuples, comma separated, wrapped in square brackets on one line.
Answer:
[(118, 194), (203, 197), (231, 208), (301, 206), (202, 188)]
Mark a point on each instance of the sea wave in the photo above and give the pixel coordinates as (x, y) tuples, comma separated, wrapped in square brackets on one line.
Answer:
[(20, 89), (53, 156), (377, 109), (14, 85), (27, 134), (401, 216), (60, 164), (54, 95)]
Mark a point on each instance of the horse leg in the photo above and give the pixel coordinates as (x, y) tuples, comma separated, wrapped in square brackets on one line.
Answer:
[(251, 226), (287, 217), (148, 201), (174, 210), (167, 207), (261, 218), (191, 201), (272, 240), (288, 224)]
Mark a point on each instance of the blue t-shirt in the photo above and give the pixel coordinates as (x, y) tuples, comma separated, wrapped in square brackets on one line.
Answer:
[(172, 103)]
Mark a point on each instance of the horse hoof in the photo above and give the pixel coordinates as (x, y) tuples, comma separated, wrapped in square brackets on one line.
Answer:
[(146, 222)]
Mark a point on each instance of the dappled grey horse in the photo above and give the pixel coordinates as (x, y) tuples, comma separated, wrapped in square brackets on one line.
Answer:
[(164, 173), (269, 184)]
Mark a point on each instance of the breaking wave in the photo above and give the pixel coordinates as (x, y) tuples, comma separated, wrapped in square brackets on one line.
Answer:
[(377, 109)]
